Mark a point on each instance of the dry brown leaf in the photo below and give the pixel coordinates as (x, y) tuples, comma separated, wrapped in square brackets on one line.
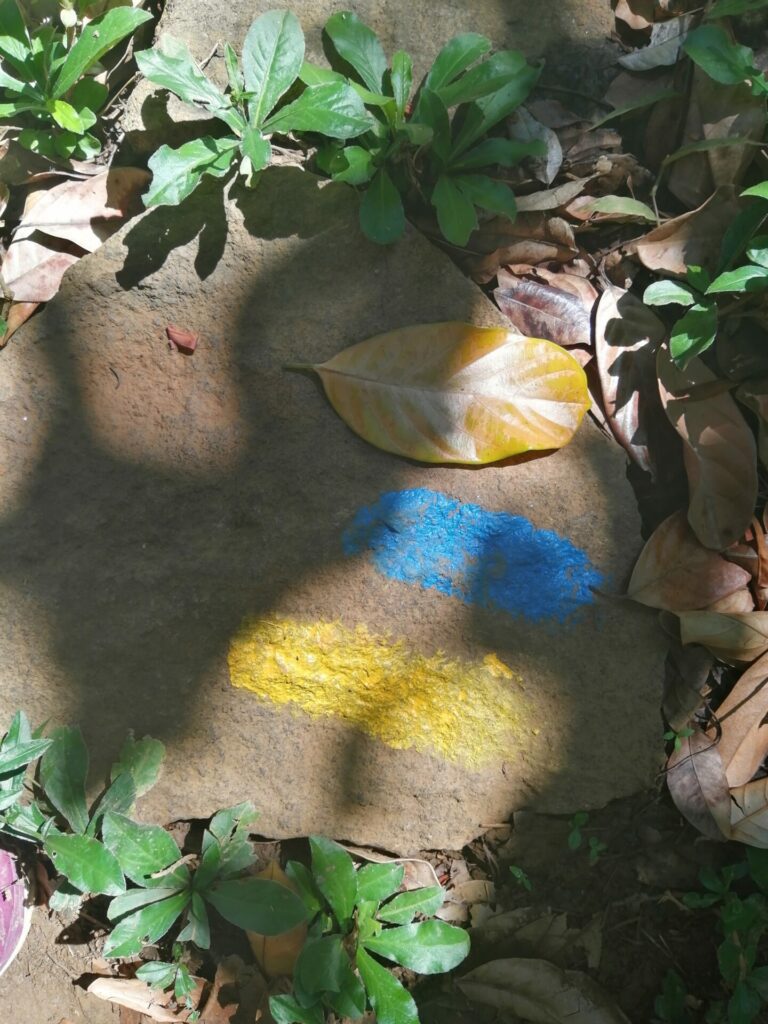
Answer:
[(743, 730), (739, 603), (134, 994), (86, 212), (732, 638), (749, 813), (718, 450), (667, 38), (419, 874), (698, 785), (540, 992), (553, 198), (577, 284), (526, 128), (674, 571), (627, 335), (543, 311), (754, 394), (277, 954), (33, 268), (686, 682), (221, 1005), (532, 238), (692, 239), (18, 314), (637, 14)]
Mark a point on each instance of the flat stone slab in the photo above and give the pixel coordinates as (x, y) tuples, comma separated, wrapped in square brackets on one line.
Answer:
[(197, 548)]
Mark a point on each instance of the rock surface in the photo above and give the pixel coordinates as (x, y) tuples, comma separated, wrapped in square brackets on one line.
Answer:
[(170, 524)]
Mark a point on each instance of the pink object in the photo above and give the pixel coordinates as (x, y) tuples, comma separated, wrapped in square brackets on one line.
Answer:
[(15, 911)]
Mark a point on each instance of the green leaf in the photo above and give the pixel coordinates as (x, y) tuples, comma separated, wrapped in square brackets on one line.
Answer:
[(86, 863), (334, 110), (744, 1004), (133, 900), (403, 908), (177, 172), (359, 46), (313, 74), (483, 191), (157, 974), (257, 904), (378, 881), (665, 293), (210, 863), (358, 166), (757, 251), (693, 333), (231, 821), (273, 53), (234, 74), (286, 1010), (65, 115), (63, 771), (21, 754), (350, 1001), (758, 980), (382, 217), (120, 798), (320, 966), (334, 873), (743, 279), (391, 1003), (760, 191), (431, 111), (757, 859), (89, 93), (301, 877), (431, 947), (723, 60), (145, 926), (15, 44), (635, 106), (506, 152), (143, 759), (455, 212), (256, 148), (698, 277), (96, 39), (479, 117), (22, 88), (623, 205), (142, 850), (732, 8), (493, 75), (455, 57), (402, 80), (172, 66), (197, 928)]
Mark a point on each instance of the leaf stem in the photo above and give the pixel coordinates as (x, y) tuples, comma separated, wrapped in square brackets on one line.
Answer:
[(300, 367)]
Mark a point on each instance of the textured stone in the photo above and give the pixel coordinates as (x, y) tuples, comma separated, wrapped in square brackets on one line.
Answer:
[(153, 503)]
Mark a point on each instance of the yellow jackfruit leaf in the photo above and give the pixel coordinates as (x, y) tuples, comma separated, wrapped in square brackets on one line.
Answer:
[(277, 954), (451, 392)]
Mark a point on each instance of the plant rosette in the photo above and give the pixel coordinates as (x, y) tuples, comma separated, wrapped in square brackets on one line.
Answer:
[(15, 908)]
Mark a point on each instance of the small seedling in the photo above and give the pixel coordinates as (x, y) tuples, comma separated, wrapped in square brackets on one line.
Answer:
[(174, 976), (676, 736), (596, 850), (578, 821), (521, 877)]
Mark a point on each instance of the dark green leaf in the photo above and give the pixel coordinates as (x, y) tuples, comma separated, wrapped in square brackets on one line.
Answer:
[(382, 217), (757, 859), (334, 873), (184, 985), (96, 39), (758, 980), (732, 8), (145, 926), (120, 797), (197, 928), (455, 57), (257, 904), (313, 74), (693, 333), (719, 57), (89, 93), (256, 148), (495, 196), (664, 293), (378, 881), (418, 134), (350, 1001), (760, 191), (210, 863), (455, 213), (157, 974), (480, 116), (743, 279), (273, 53), (18, 756), (334, 110), (143, 759), (431, 947), (234, 74), (744, 1004), (635, 106), (86, 863), (142, 850), (286, 1010), (739, 232), (301, 877), (14, 39), (402, 80), (63, 771), (355, 166), (506, 152), (356, 44), (697, 277), (491, 76), (66, 899), (320, 966), (404, 908), (390, 1001), (757, 251), (25, 820), (133, 900), (177, 172), (431, 110)]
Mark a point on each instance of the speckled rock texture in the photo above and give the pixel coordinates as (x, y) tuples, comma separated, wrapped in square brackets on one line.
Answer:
[(154, 503)]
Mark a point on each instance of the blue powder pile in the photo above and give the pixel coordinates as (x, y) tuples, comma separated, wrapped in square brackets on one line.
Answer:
[(490, 559)]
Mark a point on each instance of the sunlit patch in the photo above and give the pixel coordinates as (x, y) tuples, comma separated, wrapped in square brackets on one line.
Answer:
[(468, 711)]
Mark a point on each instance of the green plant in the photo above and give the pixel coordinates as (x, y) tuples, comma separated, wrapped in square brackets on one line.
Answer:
[(174, 976), (670, 1005), (596, 849), (676, 736), (46, 77), (577, 822), (273, 53), (429, 150), (355, 917), (521, 877), (721, 58), (696, 330)]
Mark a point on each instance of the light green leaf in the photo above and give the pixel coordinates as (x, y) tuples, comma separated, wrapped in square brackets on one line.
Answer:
[(378, 881), (143, 759), (334, 110), (12, 109), (742, 279), (334, 873), (145, 926), (286, 1010), (486, 112), (358, 168), (359, 47), (693, 333), (506, 152), (719, 57), (256, 148), (120, 798), (760, 191), (273, 53), (455, 57), (197, 928), (177, 172), (15, 44), (431, 947), (96, 39), (257, 904), (382, 217), (86, 863), (313, 74), (404, 907), (491, 76), (157, 974), (65, 115), (391, 1003), (320, 966), (732, 8), (402, 80), (622, 205), (495, 196), (455, 212), (142, 850), (236, 819), (63, 771), (133, 900), (234, 74), (665, 293), (22, 88), (757, 251), (19, 755)]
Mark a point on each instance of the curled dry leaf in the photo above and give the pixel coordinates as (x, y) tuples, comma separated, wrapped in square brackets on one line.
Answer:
[(540, 992), (698, 785), (667, 38), (276, 954), (542, 311), (33, 268), (526, 128), (627, 335), (419, 874), (686, 681), (636, 14), (135, 994), (732, 638), (718, 451), (553, 198), (675, 572), (452, 392), (743, 731), (18, 314), (749, 813), (531, 238)]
